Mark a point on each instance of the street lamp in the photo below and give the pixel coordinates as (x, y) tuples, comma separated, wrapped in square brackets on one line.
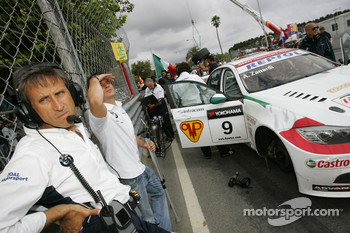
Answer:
[(194, 42)]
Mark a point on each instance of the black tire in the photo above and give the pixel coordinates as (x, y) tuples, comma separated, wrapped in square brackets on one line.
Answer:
[(280, 155), (201, 54)]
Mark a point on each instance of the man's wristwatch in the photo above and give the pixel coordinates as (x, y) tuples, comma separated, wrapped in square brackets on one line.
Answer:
[(93, 76)]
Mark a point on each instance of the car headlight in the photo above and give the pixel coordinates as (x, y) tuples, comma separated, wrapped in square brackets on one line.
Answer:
[(327, 135)]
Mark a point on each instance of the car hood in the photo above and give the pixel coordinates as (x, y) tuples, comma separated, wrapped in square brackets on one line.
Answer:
[(324, 97)]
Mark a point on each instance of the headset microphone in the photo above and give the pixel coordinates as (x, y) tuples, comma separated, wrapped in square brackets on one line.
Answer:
[(73, 118)]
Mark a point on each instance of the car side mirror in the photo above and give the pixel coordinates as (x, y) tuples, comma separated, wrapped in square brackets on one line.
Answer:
[(217, 99)]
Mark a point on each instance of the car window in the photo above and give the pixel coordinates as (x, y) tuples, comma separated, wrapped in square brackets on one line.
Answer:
[(214, 79), (231, 87), (285, 71), (185, 94)]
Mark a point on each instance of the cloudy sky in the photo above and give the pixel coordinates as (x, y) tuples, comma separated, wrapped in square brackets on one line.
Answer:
[(164, 26)]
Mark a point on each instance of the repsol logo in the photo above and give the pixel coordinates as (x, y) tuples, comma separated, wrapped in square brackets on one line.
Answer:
[(271, 59), (225, 112), (339, 163)]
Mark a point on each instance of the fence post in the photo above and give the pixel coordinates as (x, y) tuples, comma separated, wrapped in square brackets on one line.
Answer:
[(62, 40)]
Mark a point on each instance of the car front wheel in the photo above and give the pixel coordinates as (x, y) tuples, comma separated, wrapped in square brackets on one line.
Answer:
[(278, 152)]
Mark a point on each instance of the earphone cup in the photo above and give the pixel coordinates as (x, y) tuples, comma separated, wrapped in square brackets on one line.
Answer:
[(77, 93), (26, 114)]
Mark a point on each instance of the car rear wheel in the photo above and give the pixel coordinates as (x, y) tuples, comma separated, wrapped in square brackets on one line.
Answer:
[(278, 152)]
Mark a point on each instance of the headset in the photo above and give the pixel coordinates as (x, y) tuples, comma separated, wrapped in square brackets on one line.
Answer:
[(24, 110)]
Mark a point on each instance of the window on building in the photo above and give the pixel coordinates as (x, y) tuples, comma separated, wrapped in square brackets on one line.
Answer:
[(335, 27), (348, 23)]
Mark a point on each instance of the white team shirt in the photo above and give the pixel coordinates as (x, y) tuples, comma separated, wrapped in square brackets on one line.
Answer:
[(185, 76), (189, 93), (116, 134), (35, 168), (157, 91)]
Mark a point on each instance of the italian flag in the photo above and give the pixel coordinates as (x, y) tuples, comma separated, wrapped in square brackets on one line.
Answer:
[(160, 65)]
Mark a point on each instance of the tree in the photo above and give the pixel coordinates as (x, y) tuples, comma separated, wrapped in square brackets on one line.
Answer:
[(222, 57), (215, 21), (25, 35), (191, 52), (142, 68)]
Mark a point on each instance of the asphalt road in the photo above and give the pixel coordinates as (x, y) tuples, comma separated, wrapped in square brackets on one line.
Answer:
[(204, 202)]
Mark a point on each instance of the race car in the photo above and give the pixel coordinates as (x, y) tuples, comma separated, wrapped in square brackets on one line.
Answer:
[(289, 105)]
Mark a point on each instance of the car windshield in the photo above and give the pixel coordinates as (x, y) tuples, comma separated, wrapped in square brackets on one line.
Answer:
[(285, 71)]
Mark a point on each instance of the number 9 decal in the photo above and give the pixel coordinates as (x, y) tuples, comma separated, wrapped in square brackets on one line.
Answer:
[(227, 126)]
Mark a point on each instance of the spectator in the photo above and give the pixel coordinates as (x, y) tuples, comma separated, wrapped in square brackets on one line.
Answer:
[(34, 174), (192, 97), (114, 129), (212, 64), (163, 75), (166, 80), (316, 43), (159, 109), (170, 77), (323, 32)]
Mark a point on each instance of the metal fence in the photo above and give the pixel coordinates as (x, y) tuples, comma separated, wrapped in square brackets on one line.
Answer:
[(72, 34)]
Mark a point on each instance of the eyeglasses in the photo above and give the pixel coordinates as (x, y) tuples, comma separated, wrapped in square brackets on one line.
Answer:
[(314, 28)]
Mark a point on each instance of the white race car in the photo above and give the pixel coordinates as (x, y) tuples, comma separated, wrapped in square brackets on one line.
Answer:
[(289, 105)]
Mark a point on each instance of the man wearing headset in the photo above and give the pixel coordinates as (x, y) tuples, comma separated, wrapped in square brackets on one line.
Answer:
[(114, 130), (34, 175)]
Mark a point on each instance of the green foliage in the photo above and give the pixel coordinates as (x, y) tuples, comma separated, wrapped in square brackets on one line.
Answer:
[(222, 57), (142, 68), (215, 21), (25, 36), (191, 52)]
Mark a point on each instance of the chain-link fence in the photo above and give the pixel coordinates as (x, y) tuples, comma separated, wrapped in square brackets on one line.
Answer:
[(74, 34)]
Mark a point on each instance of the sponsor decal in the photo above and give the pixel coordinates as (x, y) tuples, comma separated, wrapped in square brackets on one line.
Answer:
[(251, 119), (268, 58), (192, 110), (311, 163), (325, 188), (319, 163), (338, 88), (14, 176), (225, 112), (192, 129), (345, 99)]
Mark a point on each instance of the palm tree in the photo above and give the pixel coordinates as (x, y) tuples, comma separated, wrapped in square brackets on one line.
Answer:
[(215, 21), (191, 52)]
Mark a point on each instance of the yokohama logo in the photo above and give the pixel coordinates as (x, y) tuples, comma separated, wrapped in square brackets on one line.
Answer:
[(225, 112)]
